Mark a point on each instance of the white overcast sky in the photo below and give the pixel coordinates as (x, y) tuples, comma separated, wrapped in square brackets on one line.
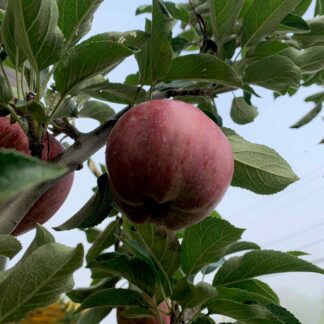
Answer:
[(271, 221)]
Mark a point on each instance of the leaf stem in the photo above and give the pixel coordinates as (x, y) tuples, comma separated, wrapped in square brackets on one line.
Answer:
[(6, 78), (48, 77), (3, 262), (38, 86), (17, 119), (160, 268), (22, 76), (16, 71)]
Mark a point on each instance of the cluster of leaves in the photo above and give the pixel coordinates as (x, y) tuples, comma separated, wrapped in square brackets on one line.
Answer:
[(38, 279), (267, 44), (220, 46), (166, 266)]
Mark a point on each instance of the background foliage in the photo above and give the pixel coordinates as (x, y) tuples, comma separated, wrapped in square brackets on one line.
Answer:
[(192, 52)]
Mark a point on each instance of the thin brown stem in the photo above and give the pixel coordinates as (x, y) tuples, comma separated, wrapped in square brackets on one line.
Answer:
[(211, 92), (62, 125)]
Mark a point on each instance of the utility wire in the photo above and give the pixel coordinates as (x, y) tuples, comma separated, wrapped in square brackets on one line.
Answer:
[(305, 246), (294, 202), (308, 178), (296, 234)]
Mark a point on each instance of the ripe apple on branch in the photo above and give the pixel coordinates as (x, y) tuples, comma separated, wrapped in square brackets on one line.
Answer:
[(168, 164), (169, 160)]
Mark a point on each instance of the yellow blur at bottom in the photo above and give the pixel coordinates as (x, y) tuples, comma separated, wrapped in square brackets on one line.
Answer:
[(58, 313)]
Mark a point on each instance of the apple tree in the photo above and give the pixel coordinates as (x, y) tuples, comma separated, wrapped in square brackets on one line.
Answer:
[(169, 156)]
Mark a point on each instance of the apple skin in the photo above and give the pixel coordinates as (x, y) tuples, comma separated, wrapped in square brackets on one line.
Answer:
[(168, 163), (145, 320), (12, 136)]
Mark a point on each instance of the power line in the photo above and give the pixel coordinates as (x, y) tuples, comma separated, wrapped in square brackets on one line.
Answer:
[(296, 234), (308, 178), (320, 260), (296, 201), (305, 246)]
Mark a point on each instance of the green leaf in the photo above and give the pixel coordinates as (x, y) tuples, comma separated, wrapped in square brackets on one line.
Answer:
[(257, 287), (20, 172), (114, 297), (316, 98), (263, 17), (206, 242), (161, 243), (315, 36), (36, 31), (273, 72), (8, 37), (189, 295), (75, 18), (42, 237), (224, 15), (67, 108), (104, 240), (282, 314), (269, 47), (143, 9), (257, 167), (203, 319), (133, 269), (9, 246), (94, 211), (5, 91), (30, 286), (302, 7), (81, 294), (246, 6), (309, 116), (161, 51), (319, 9), (249, 314), (116, 92), (259, 263), (211, 267), (241, 246), (158, 247), (241, 296), (139, 312), (140, 40), (293, 23), (88, 59), (311, 59), (96, 110), (204, 68), (94, 315), (91, 233), (133, 38), (144, 63), (297, 253), (178, 11), (241, 112)]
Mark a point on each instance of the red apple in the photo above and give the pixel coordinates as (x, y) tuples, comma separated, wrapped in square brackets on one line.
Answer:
[(168, 164), (164, 318), (12, 136)]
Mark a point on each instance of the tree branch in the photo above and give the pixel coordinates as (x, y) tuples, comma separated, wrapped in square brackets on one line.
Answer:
[(62, 125), (14, 210), (86, 144), (211, 92)]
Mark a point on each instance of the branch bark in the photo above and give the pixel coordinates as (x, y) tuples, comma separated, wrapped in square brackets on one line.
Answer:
[(13, 211), (211, 92)]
